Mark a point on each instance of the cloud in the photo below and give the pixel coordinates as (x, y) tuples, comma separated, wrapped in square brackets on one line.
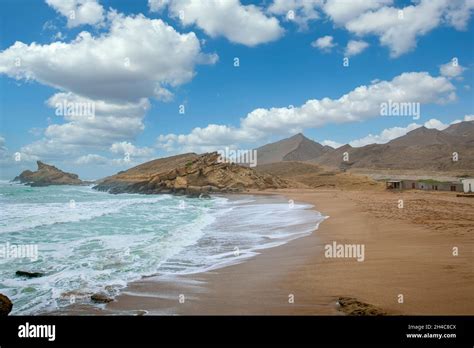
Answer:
[(331, 143), (95, 122), (9, 158), (355, 47), (58, 36), (2, 144), (361, 103), (399, 28), (342, 12), (115, 72), (466, 118), (324, 43), (339, 11), (3, 151), (451, 69), (299, 11), (157, 5), (357, 105), (385, 136), (125, 148), (206, 139), (394, 132), (92, 159), (243, 24), (79, 12), (110, 122), (138, 57)]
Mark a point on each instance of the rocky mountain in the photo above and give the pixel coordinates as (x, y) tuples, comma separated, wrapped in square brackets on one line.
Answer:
[(296, 148), (189, 174), (48, 175), (462, 129), (425, 137), (420, 149)]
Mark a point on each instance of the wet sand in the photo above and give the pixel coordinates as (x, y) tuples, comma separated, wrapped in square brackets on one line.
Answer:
[(408, 252)]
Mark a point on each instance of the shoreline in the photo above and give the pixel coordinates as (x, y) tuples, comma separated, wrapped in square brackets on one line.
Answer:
[(401, 258)]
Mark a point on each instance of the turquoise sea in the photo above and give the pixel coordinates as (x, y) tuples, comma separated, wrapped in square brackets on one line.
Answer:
[(89, 241)]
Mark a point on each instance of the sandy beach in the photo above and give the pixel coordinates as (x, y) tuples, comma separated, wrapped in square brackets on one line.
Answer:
[(408, 252)]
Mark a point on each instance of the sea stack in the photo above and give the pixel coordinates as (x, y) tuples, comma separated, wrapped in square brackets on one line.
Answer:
[(48, 175)]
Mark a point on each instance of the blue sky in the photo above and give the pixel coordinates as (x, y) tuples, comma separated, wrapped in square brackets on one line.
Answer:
[(290, 76)]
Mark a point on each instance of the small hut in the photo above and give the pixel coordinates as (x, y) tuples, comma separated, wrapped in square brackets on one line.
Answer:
[(468, 185), (394, 185)]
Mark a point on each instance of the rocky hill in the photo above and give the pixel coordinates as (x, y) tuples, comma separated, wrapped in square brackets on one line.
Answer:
[(422, 149), (296, 148), (462, 129), (189, 174), (48, 175), (310, 175)]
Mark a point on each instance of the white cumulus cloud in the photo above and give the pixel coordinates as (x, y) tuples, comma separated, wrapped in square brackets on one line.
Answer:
[(394, 132), (138, 57), (355, 47), (79, 12), (125, 148), (91, 159), (399, 28), (359, 104), (332, 143), (341, 11), (115, 71), (298, 11), (324, 43), (243, 24), (451, 69)]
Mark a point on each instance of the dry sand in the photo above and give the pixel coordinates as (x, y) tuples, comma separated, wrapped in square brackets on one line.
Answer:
[(408, 252)]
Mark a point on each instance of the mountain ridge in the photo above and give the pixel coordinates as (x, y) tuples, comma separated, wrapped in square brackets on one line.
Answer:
[(419, 149), (295, 148)]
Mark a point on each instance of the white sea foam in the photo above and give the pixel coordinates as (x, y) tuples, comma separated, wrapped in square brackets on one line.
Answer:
[(108, 241), (21, 216)]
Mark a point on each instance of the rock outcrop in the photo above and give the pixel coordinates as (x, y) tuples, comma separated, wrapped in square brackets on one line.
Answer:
[(101, 298), (5, 305), (29, 274), (354, 307), (48, 175), (191, 174)]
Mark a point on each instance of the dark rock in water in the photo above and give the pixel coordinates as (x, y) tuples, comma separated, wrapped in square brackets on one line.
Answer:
[(5, 305), (101, 298), (204, 195), (48, 175), (29, 274)]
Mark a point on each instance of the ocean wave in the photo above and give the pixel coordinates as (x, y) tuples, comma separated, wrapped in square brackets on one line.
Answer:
[(107, 241), (21, 216)]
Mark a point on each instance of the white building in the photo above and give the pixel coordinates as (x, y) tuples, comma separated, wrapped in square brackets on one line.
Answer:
[(468, 185)]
